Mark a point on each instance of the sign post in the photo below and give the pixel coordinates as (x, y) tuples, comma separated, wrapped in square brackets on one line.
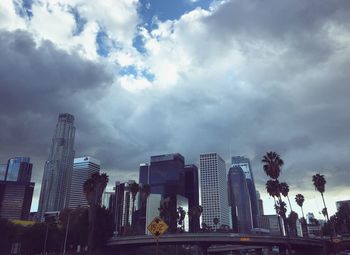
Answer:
[(157, 228)]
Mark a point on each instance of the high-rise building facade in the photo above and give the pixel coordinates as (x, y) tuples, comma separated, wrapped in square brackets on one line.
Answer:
[(169, 177), (16, 190), (2, 171), (56, 183), (18, 169), (191, 181), (83, 168), (244, 163), (213, 189), (239, 201)]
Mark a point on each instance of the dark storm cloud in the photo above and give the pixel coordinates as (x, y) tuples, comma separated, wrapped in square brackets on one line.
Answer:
[(294, 101), (37, 83)]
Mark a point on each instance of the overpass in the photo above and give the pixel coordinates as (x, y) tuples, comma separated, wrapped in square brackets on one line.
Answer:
[(302, 246)]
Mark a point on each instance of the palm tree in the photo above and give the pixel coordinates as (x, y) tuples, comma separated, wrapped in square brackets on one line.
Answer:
[(299, 199), (272, 188), (324, 212), (272, 164), (319, 182), (134, 189), (93, 189), (216, 222), (284, 188)]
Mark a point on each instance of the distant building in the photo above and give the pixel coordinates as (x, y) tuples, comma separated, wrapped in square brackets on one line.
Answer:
[(15, 199), (345, 203), (310, 217), (239, 201), (275, 224), (118, 205), (106, 199), (16, 190), (56, 183), (152, 211), (2, 171), (213, 189), (260, 204), (244, 163), (168, 176), (83, 168), (191, 182), (18, 169)]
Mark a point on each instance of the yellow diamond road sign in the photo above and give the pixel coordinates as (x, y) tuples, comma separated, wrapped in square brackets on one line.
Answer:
[(157, 227)]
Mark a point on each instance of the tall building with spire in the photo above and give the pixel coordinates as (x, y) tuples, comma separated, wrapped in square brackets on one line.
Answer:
[(55, 186)]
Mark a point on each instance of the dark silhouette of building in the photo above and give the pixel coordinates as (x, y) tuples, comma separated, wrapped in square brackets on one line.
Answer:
[(244, 163), (190, 178), (16, 191), (239, 200), (168, 176), (117, 204)]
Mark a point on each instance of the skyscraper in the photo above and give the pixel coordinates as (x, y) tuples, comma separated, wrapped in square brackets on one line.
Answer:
[(168, 176), (191, 181), (55, 186), (16, 190), (18, 169), (244, 163), (213, 189), (239, 200), (83, 168)]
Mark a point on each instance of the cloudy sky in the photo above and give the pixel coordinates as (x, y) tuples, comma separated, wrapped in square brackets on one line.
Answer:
[(191, 76)]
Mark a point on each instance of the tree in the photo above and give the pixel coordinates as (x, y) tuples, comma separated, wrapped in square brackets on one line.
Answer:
[(292, 220), (181, 214), (194, 212), (299, 199), (8, 234), (284, 188), (216, 221), (134, 189), (93, 189), (320, 182), (272, 164), (272, 188)]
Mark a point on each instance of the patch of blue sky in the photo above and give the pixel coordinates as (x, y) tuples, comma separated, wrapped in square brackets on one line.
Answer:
[(131, 70), (138, 44), (24, 8), (79, 21), (103, 43), (168, 10), (128, 70)]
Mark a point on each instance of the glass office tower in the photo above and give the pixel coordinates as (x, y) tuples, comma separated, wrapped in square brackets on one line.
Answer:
[(55, 186), (244, 163), (18, 169), (168, 176), (239, 200)]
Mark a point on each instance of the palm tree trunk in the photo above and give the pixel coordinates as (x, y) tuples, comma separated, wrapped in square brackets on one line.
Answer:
[(302, 211), (92, 216), (132, 211), (290, 205), (324, 203)]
